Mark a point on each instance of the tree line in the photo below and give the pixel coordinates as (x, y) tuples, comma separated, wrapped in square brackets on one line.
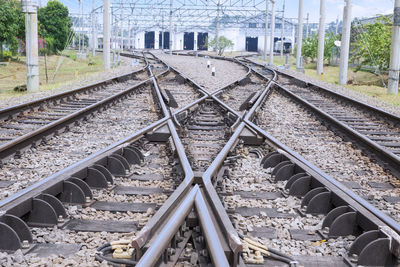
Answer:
[(370, 44), (54, 26)]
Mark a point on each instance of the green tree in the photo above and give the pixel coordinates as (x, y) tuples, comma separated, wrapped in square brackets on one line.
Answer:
[(55, 24), (309, 49), (372, 42), (330, 47), (310, 46), (11, 24), (223, 43)]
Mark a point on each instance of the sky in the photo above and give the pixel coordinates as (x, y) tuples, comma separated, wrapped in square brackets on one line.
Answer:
[(334, 8), (361, 8)]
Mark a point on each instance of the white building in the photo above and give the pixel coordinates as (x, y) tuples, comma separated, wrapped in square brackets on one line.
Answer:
[(246, 34)]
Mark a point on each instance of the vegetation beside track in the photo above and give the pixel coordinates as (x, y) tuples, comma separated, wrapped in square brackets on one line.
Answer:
[(364, 82), (71, 69)]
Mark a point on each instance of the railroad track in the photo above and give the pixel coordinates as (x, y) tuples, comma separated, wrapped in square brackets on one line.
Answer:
[(373, 129), (244, 200), (28, 124), (104, 123)]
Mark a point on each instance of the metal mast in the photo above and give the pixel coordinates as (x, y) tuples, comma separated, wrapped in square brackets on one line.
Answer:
[(272, 39), (299, 64), (283, 27), (217, 30), (32, 51), (345, 45), (321, 38), (394, 69), (106, 34)]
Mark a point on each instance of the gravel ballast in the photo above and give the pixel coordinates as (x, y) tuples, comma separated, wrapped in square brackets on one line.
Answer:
[(107, 127), (345, 91), (300, 130), (247, 175), (156, 161), (196, 69)]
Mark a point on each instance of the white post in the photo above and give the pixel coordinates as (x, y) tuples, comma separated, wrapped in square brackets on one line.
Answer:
[(321, 38), (283, 27), (32, 51), (299, 64), (394, 69), (266, 30), (106, 34), (344, 48), (170, 26), (271, 46), (217, 30), (195, 41)]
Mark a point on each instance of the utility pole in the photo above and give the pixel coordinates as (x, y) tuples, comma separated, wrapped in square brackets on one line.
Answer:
[(266, 30), (345, 44), (32, 51), (170, 26), (299, 64), (394, 68), (272, 39), (321, 37), (106, 34), (283, 27), (217, 30), (93, 31), (308, 18)]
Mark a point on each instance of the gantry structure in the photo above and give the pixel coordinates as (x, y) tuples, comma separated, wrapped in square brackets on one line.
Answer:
[(142, 15)]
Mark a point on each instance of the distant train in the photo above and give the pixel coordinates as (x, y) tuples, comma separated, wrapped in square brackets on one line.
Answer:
[(287, 46)]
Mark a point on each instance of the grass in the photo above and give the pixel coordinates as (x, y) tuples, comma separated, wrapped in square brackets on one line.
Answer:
[(69, 71), (363, 82)]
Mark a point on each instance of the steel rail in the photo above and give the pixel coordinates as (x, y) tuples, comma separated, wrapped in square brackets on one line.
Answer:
[(168, 210), (351, 100), (370, 212), (386, 219), (14, 110), (211, 235), (19, 203), (390, 160), (214, 94), (376, 212), (18, 144), (170, 228)]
